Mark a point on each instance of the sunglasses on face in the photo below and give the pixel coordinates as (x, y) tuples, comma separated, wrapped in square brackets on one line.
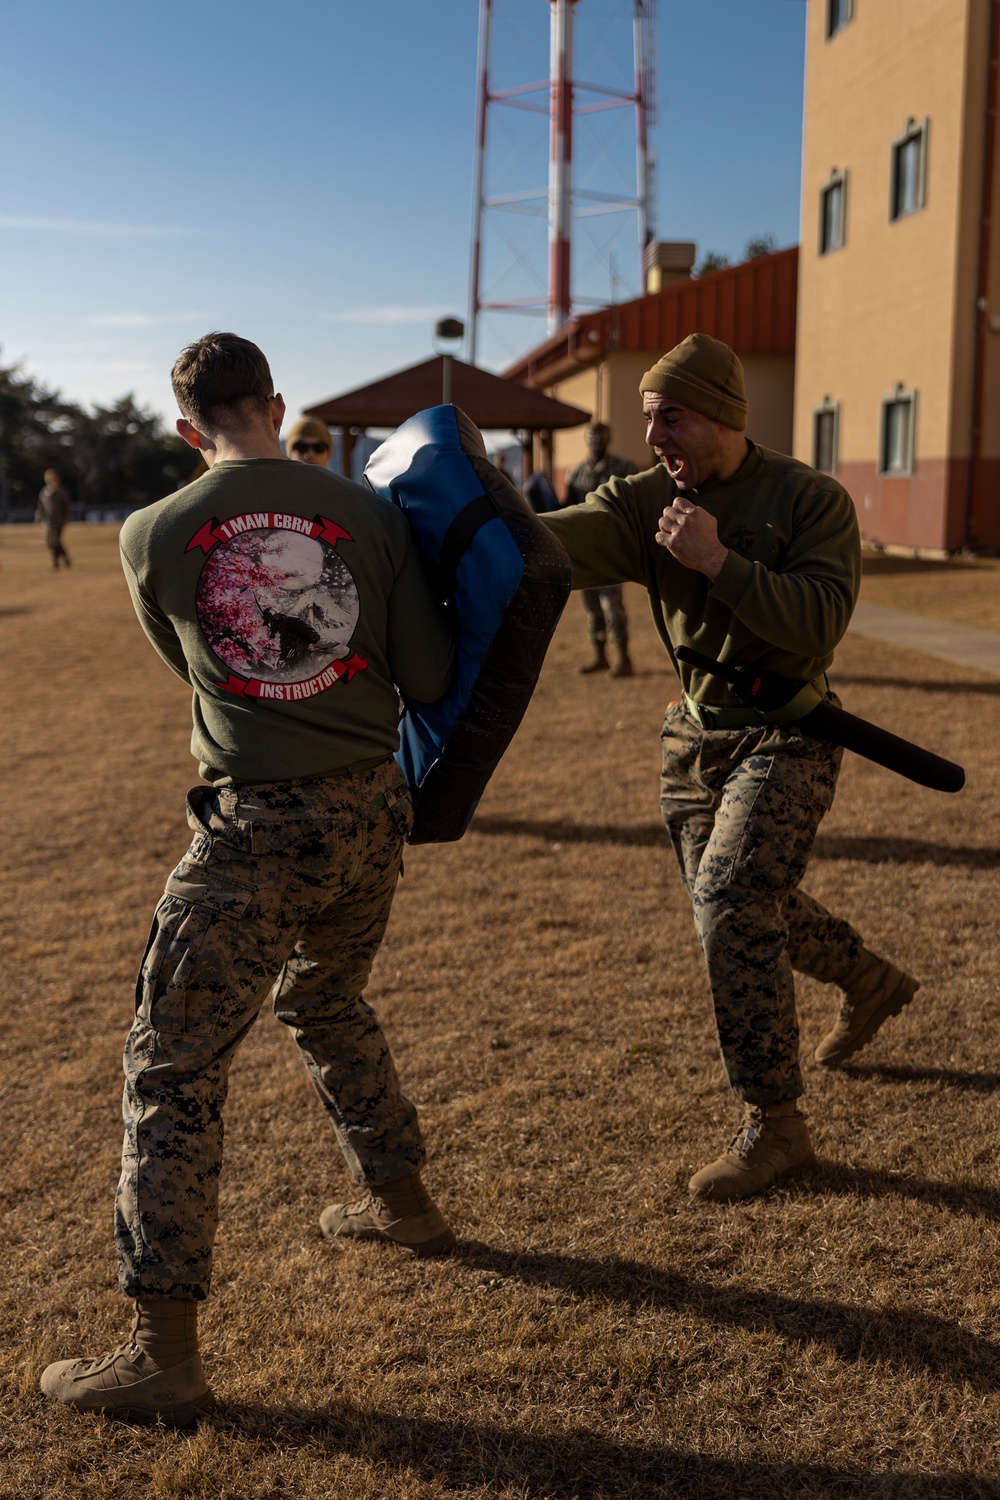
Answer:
[(310, 448)]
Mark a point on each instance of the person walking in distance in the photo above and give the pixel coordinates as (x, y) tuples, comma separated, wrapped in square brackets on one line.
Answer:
[(752, 558), (604, 606), (53, 513), (293, 602)]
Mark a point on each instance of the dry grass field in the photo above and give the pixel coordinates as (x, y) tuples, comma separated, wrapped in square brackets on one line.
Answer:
[(597, 1333), (966, 590)]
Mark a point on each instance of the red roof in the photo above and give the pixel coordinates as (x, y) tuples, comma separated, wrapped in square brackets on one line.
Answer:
[(490, 400), (751, 307)]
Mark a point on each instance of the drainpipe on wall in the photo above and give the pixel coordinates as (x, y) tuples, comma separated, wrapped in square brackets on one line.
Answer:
[(972, 530)]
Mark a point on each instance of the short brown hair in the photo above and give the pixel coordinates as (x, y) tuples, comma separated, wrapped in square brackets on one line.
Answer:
[(220, 373)]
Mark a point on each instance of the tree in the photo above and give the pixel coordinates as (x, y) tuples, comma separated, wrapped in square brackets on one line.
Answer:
[(759, 244), (123, 455), (712, 260), (35, 429), (116, 456)]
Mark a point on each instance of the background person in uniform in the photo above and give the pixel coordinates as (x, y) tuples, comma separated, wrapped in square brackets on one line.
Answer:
[(287, 884), (756, 559), (308, 442), (53, 513), (604, 607)]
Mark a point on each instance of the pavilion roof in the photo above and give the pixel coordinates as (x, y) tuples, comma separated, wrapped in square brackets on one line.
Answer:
[(490, 400)]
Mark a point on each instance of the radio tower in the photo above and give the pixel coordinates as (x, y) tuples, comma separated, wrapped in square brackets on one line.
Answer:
[(561, 202)]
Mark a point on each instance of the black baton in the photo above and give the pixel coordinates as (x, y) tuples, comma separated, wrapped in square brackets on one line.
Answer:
[(768, 692)]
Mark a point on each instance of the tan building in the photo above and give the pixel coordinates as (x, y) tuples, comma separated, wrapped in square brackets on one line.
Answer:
[(897, 381), (596, 360)]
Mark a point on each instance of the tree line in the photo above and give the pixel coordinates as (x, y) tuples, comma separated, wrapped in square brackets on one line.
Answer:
[(757, 244), (118, 456)]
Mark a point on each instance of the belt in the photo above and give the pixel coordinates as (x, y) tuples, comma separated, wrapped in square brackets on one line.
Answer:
[(729, 716), (735, 716)]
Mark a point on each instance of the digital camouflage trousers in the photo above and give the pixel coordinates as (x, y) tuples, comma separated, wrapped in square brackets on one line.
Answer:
[(285, 889), (742, 807), (606, 617)]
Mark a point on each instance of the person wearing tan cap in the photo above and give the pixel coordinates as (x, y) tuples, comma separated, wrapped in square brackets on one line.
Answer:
[(308, 442), (749, 558)]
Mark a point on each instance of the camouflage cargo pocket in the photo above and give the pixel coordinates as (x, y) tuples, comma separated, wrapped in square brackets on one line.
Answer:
[(400, 805), (186, 972), (767, 823)]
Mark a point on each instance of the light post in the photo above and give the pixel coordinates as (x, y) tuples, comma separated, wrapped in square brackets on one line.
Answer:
[(450, 330)]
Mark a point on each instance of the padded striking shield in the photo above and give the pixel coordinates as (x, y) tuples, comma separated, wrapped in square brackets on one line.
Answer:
[(507, 580)]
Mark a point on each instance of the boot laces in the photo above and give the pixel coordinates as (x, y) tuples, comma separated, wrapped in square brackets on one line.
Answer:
[(750, 1131), (362, 1205)]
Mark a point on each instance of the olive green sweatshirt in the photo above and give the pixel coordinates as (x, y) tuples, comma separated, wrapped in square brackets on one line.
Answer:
[(294, 602), (786, 592)]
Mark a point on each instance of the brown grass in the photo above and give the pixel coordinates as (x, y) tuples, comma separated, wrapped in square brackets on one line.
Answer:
[(965, 590), (598, 1334)]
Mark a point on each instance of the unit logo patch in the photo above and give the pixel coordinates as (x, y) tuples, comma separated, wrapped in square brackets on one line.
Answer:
[(277, 604)]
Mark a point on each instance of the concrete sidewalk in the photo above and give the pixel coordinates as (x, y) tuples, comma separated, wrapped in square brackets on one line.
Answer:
[(964, 645)]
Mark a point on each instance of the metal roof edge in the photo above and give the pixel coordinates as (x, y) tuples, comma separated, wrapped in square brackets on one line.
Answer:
[(717, 303)]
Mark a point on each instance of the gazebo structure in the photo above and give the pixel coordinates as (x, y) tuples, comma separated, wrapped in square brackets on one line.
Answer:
[(492, 403)]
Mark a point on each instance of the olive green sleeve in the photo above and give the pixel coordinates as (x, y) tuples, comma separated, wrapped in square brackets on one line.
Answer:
[(161, 633), (807, 605), (604, 536)]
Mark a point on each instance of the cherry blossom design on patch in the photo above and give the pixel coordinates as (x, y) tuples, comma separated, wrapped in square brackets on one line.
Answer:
[(277, 604)]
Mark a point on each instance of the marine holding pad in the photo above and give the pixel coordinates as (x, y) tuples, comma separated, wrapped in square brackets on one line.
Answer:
[(507, 580)]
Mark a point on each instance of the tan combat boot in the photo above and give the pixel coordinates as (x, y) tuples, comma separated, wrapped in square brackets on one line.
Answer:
[(873, 991), (623, 666), (401, 1213), (157, 1377), (772, 1143), (600, 661)]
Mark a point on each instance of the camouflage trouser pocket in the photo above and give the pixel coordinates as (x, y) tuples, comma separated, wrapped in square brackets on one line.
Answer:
[(400, 805), (767, 820), (185, 975)]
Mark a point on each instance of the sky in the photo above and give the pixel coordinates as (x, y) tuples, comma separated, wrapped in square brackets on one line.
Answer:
[(302, 175)]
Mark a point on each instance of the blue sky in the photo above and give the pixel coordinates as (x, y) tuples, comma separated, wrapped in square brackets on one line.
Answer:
[(302, 173)]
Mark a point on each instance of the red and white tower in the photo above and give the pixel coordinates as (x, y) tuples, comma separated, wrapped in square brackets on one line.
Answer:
[(564, 99), (560, 161)]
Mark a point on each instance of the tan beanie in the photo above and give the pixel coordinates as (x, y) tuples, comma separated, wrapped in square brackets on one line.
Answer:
[(310, 429), (704, 374)]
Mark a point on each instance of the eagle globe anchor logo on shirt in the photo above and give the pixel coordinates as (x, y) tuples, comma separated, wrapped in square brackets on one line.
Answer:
[(277, 604)]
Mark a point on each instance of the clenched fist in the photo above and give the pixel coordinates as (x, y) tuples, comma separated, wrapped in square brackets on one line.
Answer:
[(691, 535)]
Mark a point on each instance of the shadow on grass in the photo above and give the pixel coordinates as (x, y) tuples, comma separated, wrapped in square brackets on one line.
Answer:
[(954, 1078), (968, 1198), (876, 851), (953, 686), (558, 830), (882, 850), (570, 1464), (913, 1341)]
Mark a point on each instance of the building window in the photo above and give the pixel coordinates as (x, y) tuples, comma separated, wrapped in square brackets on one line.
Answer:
[(899, 421), (826, 428), (833, 212), (838, 13), (909, 170)]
